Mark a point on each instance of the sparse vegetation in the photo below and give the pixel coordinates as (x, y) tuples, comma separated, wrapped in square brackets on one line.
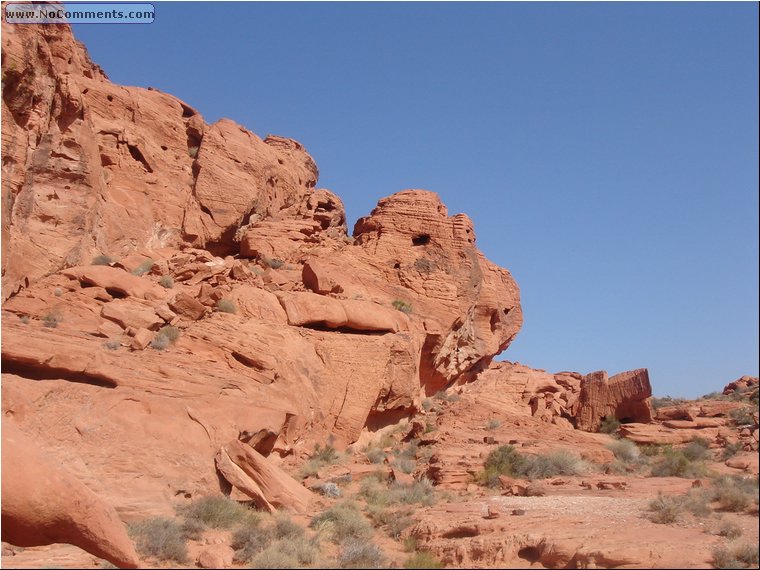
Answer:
[(226, 306), (669, 509), (609, 425), (742, 416), (735, 494), (249, 540), (730, 530), (360, 554), (625, 450), (375, 455), (166, 336), (328, 489), (506, 460), (24, 319), (166, 281), (52, 320), (402, 306), (493, 424), (675, 463), (736, 556), (658, 403), (428, 404), (343, 522), (217, 511), (697, 449), (160, 537), (423, 560), (143, 268), (376, 493), (102, 260), (730, 450)]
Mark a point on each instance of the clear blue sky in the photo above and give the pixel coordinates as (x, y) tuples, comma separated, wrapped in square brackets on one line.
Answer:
[(607, 153)]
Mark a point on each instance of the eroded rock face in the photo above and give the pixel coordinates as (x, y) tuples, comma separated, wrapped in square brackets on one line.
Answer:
[(321, 333), (624, 396)]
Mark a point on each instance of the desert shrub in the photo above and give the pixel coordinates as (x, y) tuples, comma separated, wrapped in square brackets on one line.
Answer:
[(216, 511), (735, 494), (742, 416), (102, 260), (730, 450), (166, 282), (653, 449), (492, 424), (730, 530), (166, 336), (375, 455), (506, 460), (658, 403), (428, 404), (328, 490), (143, 268), (193, 529), (344, 522), (192, 151), (159, 537), (669, 509), (674, 463), (360, 554), (697, 449), (274, 557), (420, 492), (285, 528), (24, 319), (447, 396), (625, 450), (51, 320), (326, 455), (112, 344), (430, 427), (405, 465), (423, 560), (226, 306), (249, 540), (610, 425), (402, 306), (736, 556)]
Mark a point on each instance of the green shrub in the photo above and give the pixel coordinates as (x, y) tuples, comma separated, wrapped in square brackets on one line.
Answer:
[(609, 425), (402, 306), (226, 306), (423, 560), (344, 522), (360, 554), (143, 268), (166, 282), (736, 556), (216, 512), (674, 463), (625, 450), (159, 537), (102, 260), (506, 460)]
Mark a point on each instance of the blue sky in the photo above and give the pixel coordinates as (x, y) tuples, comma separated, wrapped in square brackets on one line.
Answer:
[(607, 153)]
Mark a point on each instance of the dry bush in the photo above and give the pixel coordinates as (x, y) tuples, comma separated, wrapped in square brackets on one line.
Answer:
[(361, 554), (423, 560), (736, 556), (160, 537), (343, 522), (218, 512)]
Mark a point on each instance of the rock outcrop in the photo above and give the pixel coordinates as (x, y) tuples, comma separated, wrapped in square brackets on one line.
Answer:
[(43, 504), (228, 295)]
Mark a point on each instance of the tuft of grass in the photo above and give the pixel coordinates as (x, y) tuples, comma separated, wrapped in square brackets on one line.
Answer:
[(610, 425), (249, 540), (402, 306), (143, 268), (423, 560), (625, 450), (492, 424), (216, 511), (166, 281), (226, 306), (166, 336), (343, 522), (160, 537), (675, 463), (51, 320), (102, 260), (730, 530), (361, 554)]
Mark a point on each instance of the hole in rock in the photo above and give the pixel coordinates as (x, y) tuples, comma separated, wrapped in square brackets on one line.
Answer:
[(422, 239), (529, 553)]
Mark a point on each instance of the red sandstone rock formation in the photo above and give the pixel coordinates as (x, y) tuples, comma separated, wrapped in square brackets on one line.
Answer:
[(43, 504)]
